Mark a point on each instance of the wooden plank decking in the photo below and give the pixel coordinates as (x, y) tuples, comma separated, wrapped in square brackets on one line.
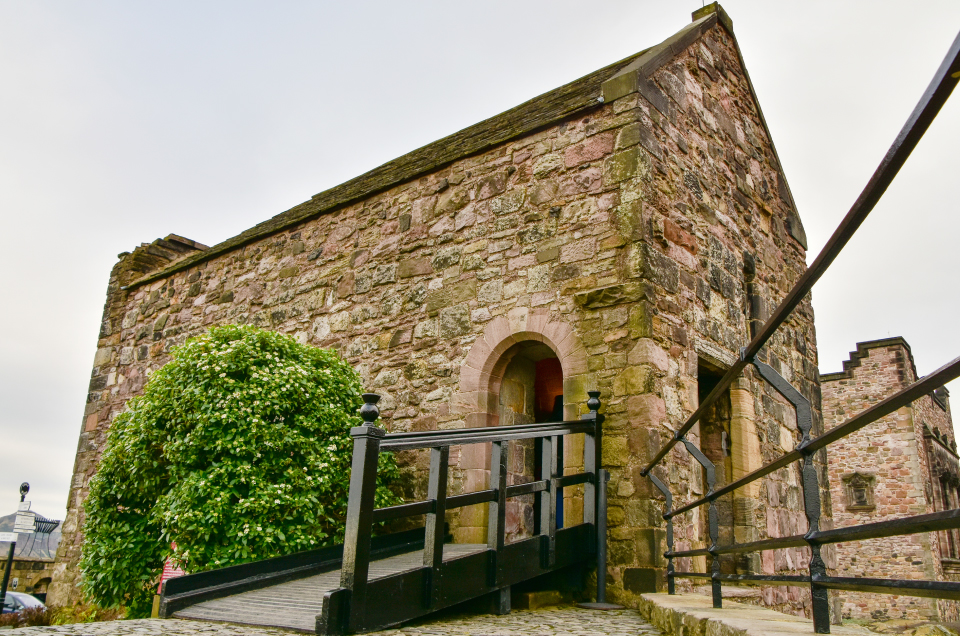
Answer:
[(295, 605)]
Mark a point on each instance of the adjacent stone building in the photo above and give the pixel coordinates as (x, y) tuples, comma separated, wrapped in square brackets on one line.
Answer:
[(33, 560), (624, 232), (902, 465)]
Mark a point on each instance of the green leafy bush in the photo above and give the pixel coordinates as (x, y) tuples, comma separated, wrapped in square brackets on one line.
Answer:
[(237, 450)]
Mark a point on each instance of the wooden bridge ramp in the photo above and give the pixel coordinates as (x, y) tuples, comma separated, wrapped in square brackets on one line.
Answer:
[(373, 582), (296, 604)]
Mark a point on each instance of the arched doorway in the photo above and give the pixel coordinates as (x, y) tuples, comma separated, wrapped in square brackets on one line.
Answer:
[(530, 390), (548, 361)]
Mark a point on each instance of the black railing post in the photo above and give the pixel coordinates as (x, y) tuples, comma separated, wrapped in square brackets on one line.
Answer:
[(360, 506), (667, 509), (811, 492), (548, 503), (603, 479), (496, 523), (713, 520), (433, 537), (591, 458)]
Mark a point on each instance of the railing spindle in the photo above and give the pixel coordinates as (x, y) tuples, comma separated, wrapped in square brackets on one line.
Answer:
[(433, 537), (713, 520), (548, 503), (668, 505), (496, 524)]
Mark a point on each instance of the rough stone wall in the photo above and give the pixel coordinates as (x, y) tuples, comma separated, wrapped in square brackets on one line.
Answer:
[(893, 460), (633, 239), (725, 254)]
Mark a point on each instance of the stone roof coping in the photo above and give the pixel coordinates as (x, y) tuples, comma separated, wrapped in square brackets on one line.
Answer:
[(863, 351)]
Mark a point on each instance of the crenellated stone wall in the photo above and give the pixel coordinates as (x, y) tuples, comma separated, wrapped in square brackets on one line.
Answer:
[(635, 224), (902, 465)]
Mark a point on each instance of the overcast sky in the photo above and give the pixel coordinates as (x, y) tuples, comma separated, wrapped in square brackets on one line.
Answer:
[(121, 122)]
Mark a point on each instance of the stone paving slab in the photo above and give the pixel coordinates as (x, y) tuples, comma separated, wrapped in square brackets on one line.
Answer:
[(682, 614), (547, 621)]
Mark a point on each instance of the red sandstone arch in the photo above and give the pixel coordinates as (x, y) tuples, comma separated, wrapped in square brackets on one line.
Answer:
[(478, 399), (484, 365)]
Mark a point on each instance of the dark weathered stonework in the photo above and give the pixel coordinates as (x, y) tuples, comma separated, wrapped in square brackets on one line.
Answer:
[(902, 465), (634, 224)]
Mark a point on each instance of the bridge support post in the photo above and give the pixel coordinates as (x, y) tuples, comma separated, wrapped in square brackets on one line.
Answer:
[(501, 601), (360, 507)]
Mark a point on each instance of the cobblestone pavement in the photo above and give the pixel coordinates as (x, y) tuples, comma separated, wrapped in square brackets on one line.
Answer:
[(552, 621)]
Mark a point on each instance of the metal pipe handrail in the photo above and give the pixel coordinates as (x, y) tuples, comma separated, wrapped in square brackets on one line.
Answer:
[(932, 522), (905, 396), (933, 99), (457, 436)]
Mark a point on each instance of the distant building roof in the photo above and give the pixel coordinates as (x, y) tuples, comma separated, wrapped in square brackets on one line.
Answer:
[(31, 545)]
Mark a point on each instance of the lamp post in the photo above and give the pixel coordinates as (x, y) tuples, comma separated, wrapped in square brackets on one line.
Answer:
[(24, 489)]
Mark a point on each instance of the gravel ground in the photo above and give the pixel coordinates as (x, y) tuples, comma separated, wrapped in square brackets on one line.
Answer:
[(552, 621)]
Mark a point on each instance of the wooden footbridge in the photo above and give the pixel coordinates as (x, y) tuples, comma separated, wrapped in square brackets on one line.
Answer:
[(373, 582)]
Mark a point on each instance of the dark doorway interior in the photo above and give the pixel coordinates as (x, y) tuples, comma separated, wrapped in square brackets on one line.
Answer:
[(715, 444), (531, 391)]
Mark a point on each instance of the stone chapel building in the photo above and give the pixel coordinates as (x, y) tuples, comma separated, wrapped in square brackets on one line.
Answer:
[(625, 232), (902, 465)]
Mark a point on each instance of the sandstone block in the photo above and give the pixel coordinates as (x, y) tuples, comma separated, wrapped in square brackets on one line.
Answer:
[(508, 203), (452, 200), (455, 321), (538, 278), (548, 254), (490, 292), (491, 185), (451, 295), (623, 165), (547, 165), (578, 250), (633, 381), (611, 295), (414, 267), (446, 258), (615, 451), (590, 149), (648, 408), (647, 351), (544, 192), (644, 261), (103, 356)]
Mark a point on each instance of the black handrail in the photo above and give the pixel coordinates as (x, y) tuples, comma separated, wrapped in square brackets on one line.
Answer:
[(933, 99), (369, 441)]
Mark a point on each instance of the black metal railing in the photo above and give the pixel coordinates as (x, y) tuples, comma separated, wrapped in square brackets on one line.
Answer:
[(349, 609), (919, 121)]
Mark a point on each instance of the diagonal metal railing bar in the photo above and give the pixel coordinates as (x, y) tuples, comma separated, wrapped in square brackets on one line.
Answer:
[(932, 522), (933, 99), (911, 393)]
